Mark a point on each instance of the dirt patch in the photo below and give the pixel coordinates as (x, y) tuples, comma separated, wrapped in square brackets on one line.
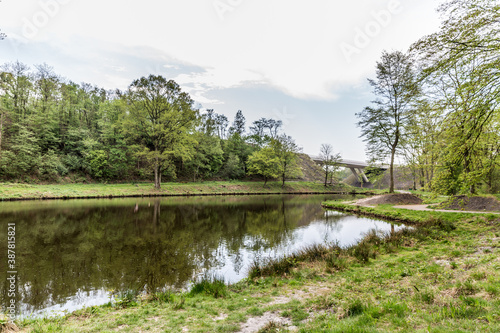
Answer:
[(8, 328), (391, 199), (463, 202), (254, 324)]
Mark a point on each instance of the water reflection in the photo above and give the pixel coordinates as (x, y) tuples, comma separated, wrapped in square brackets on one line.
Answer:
[(71, 253)]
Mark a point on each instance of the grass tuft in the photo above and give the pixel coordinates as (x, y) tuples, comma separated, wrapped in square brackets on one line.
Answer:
[(214, 286)]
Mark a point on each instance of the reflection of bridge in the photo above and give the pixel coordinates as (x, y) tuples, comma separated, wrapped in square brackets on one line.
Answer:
[(356, 167)]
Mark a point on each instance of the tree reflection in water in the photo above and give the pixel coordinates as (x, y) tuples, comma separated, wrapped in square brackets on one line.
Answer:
[(66, 248)]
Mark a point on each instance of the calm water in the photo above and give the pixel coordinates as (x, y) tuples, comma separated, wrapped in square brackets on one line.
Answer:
[(70, 254)]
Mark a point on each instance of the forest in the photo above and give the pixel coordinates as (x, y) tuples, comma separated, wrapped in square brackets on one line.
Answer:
[(436, 111), (51, 129)]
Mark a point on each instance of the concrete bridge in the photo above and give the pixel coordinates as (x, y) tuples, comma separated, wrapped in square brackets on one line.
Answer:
[(356, 167)]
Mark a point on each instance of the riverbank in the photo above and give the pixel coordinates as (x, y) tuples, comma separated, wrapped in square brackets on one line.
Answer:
[(16, 191), (441, 276)]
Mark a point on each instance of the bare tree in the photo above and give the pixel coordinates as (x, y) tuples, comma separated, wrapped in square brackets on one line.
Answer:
[(329, 160)]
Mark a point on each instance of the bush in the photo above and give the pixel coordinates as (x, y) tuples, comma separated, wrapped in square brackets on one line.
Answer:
[(97, 163)]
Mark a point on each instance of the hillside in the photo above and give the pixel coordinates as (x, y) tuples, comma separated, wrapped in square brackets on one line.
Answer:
[(311, 170)]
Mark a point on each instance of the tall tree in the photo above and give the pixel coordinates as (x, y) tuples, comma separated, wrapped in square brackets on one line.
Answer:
[(286, 151), (462, 61), (238, 125), (328, 159), (383, 125), (264, 130), (160, 118)]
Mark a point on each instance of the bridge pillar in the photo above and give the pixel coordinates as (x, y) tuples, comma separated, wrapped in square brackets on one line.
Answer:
[(355, 172)]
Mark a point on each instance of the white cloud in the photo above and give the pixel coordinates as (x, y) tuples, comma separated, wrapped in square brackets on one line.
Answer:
[(294, 46)]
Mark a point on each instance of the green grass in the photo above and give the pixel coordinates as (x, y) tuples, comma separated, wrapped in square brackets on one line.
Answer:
[(17, 191), (441, 276)]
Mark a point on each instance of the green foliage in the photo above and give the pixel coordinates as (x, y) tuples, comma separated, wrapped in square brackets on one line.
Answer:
[(97, 161), (264, 163), (52, 128), (23, 156), (159, 119), (207, 158), (233, 168), (286, 151), (51, 166)]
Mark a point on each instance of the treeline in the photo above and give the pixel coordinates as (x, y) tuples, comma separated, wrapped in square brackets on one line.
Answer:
[(437, 106), (52, 128)]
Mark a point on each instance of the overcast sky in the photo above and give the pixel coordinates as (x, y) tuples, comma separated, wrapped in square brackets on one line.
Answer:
[(304, 62)]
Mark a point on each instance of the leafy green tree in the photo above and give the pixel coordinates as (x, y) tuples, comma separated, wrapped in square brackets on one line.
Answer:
[(207, 158), (159, 118), (22, 158), (383, 125), (461, 61), (44, 119), (233, 168), (422, 143), (286, 151), (17, 86), (265, 163)]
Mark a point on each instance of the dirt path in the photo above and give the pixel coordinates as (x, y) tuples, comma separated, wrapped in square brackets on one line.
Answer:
[(425, 208)]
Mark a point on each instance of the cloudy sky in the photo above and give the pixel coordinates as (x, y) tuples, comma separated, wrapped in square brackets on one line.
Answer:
[(304, 62)]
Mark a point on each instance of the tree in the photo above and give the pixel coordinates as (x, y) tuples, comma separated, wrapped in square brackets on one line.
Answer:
[(238, 124), (329, 160), (236, 145), (233, 168), (264, 163), (383, 126), (461, 61), (159, 118), (207, 158), (264, 130), (286, 151)]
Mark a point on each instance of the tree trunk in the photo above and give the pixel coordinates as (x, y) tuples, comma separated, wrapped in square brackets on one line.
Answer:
[(326, 175), (391, 168), (283, 178), (157, 174), (391, 171)]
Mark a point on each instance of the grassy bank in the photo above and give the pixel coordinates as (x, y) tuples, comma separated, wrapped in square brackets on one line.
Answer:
[(443, 275), (17, 191)]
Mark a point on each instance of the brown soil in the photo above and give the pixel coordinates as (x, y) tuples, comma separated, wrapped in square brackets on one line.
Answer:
[(463, 202), (392, 199)]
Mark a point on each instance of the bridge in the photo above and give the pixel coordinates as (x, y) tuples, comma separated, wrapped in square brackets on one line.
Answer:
[(356, 167)]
